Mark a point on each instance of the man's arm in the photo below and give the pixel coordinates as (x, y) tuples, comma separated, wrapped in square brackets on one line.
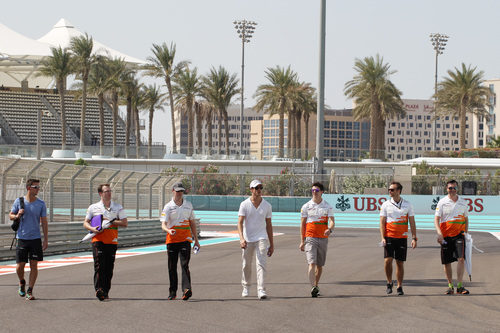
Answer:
[(383, 224), (121, 223), (243, 242), (466, 224), (413, 228), (437, 220), (86, 225), (269, 229), (303, 221), (331, 226), (192, 225), (45, 228)]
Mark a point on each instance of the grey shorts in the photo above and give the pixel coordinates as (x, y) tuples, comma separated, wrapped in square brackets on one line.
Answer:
[(316, 250)]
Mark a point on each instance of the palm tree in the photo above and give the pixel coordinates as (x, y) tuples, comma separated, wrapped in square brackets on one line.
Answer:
[(59, 65), (187, 87), (153, 100), (81, 49), (306, 103), (118, 70), (162, 66), (128, 90), (219, 88), (460, 93), (494, 142), (375, 97), (276, 97)]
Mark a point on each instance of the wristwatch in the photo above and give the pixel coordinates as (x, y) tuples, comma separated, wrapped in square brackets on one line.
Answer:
[(331, 230), (415, 238)]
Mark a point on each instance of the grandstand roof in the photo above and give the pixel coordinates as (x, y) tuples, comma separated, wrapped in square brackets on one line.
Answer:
[(20, 55)]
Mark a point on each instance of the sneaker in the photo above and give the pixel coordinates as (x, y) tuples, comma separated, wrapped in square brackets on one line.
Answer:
[(462, 291), (171, 297), (100, 295), (389, 288), (314, 291), (22, 288), (29, 295), (450, 291), (245, 292), (262, 294), (187, 294), (400, 291)]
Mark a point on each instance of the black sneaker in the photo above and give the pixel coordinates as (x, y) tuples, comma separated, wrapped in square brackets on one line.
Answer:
[(314, 291), (171, 297), (100, 294), (450, 291), (400, 291), (389, 288), (187, 294), (462, 291), (22, 288)]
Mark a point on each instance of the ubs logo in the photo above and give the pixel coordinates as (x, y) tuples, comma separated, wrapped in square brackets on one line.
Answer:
[(434, 203), (343, 203)]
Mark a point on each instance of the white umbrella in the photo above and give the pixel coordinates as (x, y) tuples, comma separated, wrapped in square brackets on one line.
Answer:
[(105, 225), (468, 254)]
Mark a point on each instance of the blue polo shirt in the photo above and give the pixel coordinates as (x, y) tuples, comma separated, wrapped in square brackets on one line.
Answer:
[(29, 228)]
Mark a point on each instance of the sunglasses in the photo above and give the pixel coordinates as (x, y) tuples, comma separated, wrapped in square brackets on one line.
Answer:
[(179, 191), (452, 188), (258, 187), (108, 191), (392, 189), (315, 190), (36, 187)]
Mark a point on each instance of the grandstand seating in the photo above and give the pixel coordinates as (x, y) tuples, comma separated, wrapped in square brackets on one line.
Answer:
[(20, 109)]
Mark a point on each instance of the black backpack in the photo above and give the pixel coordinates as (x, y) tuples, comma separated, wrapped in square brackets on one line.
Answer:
[(16, 222)]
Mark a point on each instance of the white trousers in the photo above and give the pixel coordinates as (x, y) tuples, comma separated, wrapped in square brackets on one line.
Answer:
[(258, 248)]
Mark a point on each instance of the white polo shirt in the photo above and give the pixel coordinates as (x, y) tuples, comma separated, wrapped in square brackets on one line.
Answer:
[(254, 224), (397, 214)]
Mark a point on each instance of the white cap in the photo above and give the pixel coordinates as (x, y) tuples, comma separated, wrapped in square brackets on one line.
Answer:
[(255, 183)]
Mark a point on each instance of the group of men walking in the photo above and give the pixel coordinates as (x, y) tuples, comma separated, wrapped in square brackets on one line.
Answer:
[(255, 232)]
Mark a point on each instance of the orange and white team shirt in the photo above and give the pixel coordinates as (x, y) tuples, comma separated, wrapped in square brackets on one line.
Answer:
[(178, 217), (317, 218), (397, 215), (115, 211), (453, 216)]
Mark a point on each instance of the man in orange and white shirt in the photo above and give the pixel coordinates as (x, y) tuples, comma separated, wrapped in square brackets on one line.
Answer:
[(451, 222), (105, 242), (178, 221), (394, 216), (317, 223)]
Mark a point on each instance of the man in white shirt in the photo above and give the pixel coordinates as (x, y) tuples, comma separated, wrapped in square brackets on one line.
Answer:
[(314, 232), (256, 237), (394, 216)]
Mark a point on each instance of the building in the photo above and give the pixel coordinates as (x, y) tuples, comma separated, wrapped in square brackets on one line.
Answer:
[(181, 131)]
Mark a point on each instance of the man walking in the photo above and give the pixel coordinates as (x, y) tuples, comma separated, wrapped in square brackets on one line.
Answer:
[(105, 242), (178, 221), (394, 216), (451, 222), (314, 232), (29, 243), (256, 237)]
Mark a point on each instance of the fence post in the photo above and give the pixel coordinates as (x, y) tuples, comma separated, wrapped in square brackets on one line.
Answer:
[(51, 192), (137, 195), (4, 186), (91, 185), (123, 187), (33, 169), (72, 193), (151, 196)]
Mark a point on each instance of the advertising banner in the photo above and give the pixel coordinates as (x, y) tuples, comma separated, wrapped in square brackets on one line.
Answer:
[(422, 204)]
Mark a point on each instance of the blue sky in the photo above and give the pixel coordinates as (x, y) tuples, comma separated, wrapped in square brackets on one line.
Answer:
[(287, 34)]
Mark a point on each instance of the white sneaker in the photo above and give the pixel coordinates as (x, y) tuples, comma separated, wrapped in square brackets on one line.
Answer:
[(262, 294), (244, 293)]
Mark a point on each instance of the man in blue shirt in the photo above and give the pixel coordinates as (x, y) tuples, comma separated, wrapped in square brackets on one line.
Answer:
[(29, 243)]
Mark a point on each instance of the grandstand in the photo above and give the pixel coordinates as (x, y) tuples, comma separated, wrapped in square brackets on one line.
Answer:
[(18, 119)]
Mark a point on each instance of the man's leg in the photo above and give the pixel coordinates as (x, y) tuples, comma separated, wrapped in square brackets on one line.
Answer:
[(400, 272), (312, 275), (33, 273), (185, 254), (319, 270), (388, 269), (460, 270), (449, 273), (109, 254), (173, 257), (247, 258), (20, 270), (261, 261), (98, 263)]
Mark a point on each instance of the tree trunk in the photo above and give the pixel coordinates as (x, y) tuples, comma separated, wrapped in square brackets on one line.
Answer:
[(373, 131), (63, 114), (226, 131), (82, 116), (190, 127), (381, 137), (210, 118), (127, 125), (100, 99), (298, 116), (291, 134), (137, 133), (198, 128), (305, 154), (150, 130), (172, 114), (220, 132), (463, 132), (281, 139), (115, 119)]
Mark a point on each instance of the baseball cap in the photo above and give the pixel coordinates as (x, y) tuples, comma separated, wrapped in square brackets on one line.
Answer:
[(255, 183), (178, 187)]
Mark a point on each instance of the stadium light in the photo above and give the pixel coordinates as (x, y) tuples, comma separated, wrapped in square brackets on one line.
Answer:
[(245, 30), (438, 43)]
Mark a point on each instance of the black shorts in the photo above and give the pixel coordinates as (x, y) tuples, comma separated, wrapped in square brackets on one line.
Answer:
[(453, 249), (29, 249), (395, 248)]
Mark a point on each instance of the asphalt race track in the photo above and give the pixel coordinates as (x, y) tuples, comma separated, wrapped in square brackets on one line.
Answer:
[(352, 287)]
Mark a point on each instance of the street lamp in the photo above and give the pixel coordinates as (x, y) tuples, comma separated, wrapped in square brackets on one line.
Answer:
[(245, 30), (438, 43)]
